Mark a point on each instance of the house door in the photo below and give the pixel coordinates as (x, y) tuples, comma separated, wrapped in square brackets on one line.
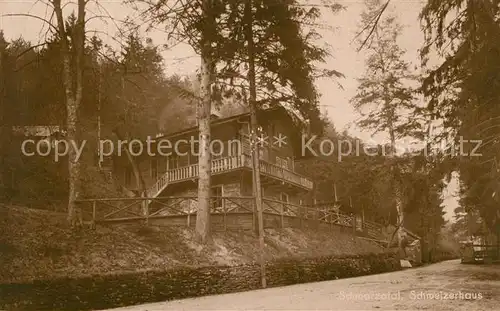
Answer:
[(284, 199)]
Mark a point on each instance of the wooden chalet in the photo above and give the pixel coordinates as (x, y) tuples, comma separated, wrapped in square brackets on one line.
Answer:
[(176, 175)]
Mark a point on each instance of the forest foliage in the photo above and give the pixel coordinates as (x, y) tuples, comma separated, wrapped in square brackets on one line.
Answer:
[(127, 92)]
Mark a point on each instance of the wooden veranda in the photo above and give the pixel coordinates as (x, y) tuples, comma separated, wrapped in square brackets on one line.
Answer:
[(232, 212)]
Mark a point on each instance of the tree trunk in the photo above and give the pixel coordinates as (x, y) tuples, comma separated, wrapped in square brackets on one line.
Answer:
[(99, 96), (203, 116), (204, 163), (253, 133), (4, 128), (6, 187), (396, 186), (399, 209), (139, 180), (73, 100), (74, 213)]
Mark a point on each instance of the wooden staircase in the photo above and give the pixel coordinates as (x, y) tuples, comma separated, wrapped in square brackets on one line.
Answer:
[(191, 172), (223, 165), (374, 232), (160, 185)]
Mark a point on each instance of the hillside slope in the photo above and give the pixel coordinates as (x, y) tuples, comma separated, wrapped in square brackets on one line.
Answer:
[(37, 244)]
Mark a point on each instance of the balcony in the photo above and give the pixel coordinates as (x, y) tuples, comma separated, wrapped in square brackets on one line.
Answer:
[(276, 171), (224, 165), (221, 165)]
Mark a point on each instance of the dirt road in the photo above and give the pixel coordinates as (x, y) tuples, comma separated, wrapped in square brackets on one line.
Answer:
[(444, 286)]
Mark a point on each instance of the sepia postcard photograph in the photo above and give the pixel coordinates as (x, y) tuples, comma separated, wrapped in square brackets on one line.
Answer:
[(247, 155)]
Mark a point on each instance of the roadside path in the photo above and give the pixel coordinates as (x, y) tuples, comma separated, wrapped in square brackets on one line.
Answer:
[(443, 286)]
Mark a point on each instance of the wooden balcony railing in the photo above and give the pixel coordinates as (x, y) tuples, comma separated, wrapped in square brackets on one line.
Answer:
[(224, 165), (183, 173), (282, 173), (229, 163), (218, 166)]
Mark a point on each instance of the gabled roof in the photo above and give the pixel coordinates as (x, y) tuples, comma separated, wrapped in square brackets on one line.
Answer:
[(294, 115)]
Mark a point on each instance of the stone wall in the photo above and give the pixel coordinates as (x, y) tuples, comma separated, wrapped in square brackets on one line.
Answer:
[(109, 291)]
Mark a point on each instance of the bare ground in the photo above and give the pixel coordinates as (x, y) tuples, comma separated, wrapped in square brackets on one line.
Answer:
[(37, 244)]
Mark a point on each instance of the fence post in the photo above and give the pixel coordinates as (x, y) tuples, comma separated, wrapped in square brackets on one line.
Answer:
[(303, 219), (281, 212), (145, 202), (300, 215), (224, 211), (93, 214), (254, 215)]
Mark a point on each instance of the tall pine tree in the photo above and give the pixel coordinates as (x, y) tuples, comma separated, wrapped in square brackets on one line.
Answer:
[(384, 95)]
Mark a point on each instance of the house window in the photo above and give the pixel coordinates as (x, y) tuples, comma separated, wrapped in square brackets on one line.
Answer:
[(242, 130), (196, 149), (281, 162), (234, 148), (154, 168), (217, 149), (173, 161), (194, 154), (217, 201), (284, 199), (264, 153), (272, 130)]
